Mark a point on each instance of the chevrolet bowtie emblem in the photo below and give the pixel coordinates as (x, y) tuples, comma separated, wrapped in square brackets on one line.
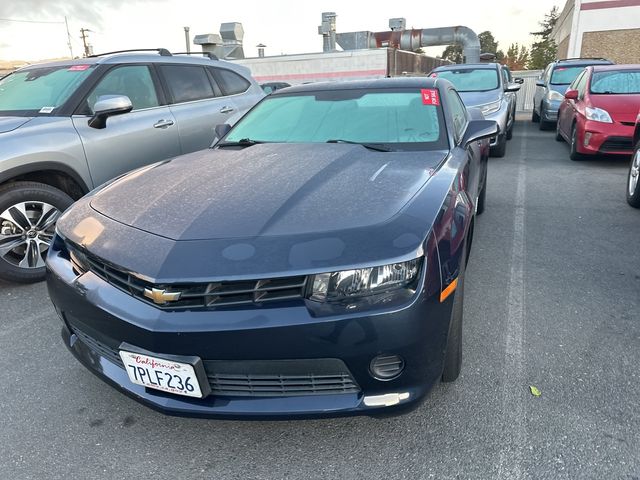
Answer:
[(161, 296)]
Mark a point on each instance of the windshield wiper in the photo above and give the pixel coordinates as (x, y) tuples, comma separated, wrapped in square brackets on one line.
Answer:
[(243, 142), (371, 146)]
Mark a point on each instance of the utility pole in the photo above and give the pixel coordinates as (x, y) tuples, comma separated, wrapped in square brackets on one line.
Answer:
[(83, 36), (68, 37), (186, 39)]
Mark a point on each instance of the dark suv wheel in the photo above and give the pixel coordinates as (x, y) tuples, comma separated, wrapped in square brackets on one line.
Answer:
[(28, 214)]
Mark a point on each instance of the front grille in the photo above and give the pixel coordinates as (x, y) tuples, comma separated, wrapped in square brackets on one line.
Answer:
[(277, 378), (258, 378), (203, 295), (617, 144)]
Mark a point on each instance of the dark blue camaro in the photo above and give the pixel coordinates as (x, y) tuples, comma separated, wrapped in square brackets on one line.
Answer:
[(311, 263)]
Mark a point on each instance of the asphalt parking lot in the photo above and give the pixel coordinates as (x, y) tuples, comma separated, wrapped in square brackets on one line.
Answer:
[(552, 300)]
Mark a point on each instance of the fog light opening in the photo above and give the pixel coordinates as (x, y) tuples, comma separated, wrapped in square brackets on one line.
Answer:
[(386, 367), (587, 139)]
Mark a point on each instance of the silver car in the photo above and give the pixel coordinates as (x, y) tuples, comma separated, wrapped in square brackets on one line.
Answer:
[(485, 86), (67, 127)]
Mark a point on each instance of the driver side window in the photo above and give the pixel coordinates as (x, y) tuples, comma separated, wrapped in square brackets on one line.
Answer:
[(134, 81), (458, 113)]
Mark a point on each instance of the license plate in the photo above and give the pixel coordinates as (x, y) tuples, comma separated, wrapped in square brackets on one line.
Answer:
[(161, 374)]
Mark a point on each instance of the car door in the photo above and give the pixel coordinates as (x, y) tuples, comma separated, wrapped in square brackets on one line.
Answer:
[(460, 120), (197, 102), (541, 88), (573, 108), (145, 135)]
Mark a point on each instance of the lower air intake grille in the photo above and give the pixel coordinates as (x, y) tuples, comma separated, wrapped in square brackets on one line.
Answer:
[(617, 144)]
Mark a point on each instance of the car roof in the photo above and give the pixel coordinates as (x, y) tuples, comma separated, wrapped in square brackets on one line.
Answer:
[(604, 68), (577, 62), (463, 66), (380, 83), (139, 57)]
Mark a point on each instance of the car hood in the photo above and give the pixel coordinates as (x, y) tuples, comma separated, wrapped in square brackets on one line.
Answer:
[(11, 123), (475, 99), (623, 108), (267, 190)]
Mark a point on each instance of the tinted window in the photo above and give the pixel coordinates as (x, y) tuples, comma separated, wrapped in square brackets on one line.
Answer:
[(565, 75), (458, 113), (472, 79), (383, 116), (616, 82), (134, 81), (231, 82), (41, 90), (187, 82)]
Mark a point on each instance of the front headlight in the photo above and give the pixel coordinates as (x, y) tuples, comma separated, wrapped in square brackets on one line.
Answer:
[(553, 95), (489, 108), (597, 115), (363, 282)]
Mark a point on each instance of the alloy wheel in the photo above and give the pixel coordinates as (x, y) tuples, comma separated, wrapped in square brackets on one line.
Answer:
[(26, 232), (634, 173)]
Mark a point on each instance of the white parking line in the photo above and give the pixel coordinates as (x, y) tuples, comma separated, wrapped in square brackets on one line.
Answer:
[(513, 387)]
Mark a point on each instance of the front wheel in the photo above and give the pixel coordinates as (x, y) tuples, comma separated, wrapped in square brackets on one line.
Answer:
[(574, 154), (559, 137), (500, 149), (535, 117), (483, 195), (510, 130), (633, 183), (28, 214), (453, 354)]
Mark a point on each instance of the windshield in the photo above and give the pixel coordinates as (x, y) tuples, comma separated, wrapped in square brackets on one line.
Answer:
[(472, 79), (565, 75), (399, 119), (616, 82), (40, 90)]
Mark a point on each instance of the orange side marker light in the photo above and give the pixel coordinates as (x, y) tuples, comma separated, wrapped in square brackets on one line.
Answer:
[(449, 290)]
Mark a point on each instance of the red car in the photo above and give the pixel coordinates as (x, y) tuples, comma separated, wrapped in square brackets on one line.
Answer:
[(599, 111)]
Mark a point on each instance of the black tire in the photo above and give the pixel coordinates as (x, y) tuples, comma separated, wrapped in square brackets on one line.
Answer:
[(453, 354), (34, 197), (544, 125), (510, 130), (500, 149), (483, 195), (633, 191), (535, 117), (574, 154), (559, 137)]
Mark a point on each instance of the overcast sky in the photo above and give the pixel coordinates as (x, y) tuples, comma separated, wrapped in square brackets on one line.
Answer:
[(285, 26)]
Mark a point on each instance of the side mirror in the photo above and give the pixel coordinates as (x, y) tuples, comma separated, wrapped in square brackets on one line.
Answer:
[(108, 106), (512, 87), (571, 94), (221, 130), (518, 80), (479, 129), (539, 83)]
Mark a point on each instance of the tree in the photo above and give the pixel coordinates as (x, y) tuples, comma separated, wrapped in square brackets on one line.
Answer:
[(517, 57), (488, 44), (453, 53), (544, 50)]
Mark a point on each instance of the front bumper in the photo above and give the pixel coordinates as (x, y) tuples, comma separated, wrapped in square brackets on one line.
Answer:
[(501, 117), (550, 109), (598, 138), (107, 316)]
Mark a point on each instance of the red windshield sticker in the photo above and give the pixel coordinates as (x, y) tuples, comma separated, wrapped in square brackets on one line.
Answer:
[(430, 96), (78, 68)]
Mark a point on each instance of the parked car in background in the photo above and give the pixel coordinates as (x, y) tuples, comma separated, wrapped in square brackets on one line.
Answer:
[(67, 127), (599, 111), (312, 263), (484, 85), (508, 79), (633, 179), (552, 84), (270, 87)]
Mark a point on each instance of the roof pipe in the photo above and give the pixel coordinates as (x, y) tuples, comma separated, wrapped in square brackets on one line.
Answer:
[(428, 37)]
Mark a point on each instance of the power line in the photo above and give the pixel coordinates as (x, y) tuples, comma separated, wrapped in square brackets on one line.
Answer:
[(27, 21)]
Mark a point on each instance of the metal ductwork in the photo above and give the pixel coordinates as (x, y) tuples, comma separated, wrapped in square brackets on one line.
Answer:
[(428, 37), (227, 44), (400, 38)]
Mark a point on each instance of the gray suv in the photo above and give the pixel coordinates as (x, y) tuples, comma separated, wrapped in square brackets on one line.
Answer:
[(552, 84), (67, 127), (486, 86)]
